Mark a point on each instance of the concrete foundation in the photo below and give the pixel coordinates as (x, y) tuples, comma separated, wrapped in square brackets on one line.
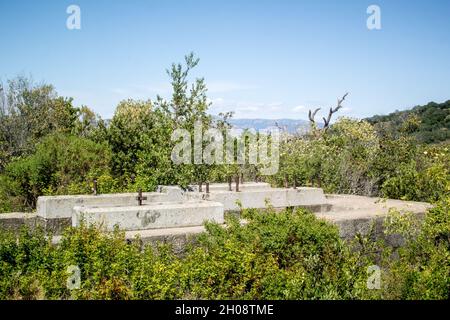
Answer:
[(154, 216), (352, 214), (51, 207), (173, 215), (246, 186), (14, 221), (358, 215), (261, 198)]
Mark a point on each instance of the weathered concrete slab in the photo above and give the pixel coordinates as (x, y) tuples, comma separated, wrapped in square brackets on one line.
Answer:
[(172, 215), (357, 214), (346, 207), (178, 238), (352, 215), (51, 207), (152, 216), (246, 186), (174, 193), (278, 198), (15, 220)]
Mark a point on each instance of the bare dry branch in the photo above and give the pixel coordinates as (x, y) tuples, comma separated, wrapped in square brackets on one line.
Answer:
[(332, 111), (312, 115)]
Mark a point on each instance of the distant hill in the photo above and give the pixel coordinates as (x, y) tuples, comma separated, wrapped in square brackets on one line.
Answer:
[(430, 123), (290, 125)]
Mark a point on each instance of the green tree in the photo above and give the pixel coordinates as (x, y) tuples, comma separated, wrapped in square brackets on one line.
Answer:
[(29, 112), (60, 164)]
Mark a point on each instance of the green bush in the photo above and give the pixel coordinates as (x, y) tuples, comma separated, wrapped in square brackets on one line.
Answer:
[(59, 163), (287, 255), (422, 269), (353, 158), (426, 178), (339, 160)]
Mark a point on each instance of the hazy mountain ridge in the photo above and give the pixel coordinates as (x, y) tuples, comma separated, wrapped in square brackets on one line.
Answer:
[(290, 125)]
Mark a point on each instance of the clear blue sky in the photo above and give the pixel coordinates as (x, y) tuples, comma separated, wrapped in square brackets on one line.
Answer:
[(265, 59)]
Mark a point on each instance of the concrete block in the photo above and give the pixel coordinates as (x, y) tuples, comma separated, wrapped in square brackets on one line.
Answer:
[(151, 216), (246, 186), (174, 193), (361, 215), (14, 221), (278, 198), (51, 207)]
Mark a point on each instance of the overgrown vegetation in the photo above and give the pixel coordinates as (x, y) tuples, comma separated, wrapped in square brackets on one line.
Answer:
[(428, 124), (422, 269), (353, 158), (277, 255), (48, 146)]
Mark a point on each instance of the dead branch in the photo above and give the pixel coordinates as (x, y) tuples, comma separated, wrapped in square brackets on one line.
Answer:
[(332, 111), (312, 115)]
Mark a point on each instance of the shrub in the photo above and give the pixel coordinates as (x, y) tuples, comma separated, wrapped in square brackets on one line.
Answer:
[(422, 270), (290, 255), (426, 178), (287, 255), (60, 163)]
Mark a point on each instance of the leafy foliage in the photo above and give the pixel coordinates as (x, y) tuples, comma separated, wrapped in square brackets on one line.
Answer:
[(354, 158), (275, 255), (287, 255), (429, 123), (60, 164), (29, 113), (422, 269), (50, 147)]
